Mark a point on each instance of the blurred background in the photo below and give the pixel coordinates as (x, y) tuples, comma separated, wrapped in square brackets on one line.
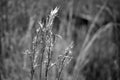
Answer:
[(18, 20)]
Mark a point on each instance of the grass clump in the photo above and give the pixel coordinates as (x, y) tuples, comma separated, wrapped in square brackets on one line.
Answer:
[(41, 51)]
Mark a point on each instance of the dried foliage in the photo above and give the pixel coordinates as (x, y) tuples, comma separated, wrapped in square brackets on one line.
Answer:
[(77, 40)]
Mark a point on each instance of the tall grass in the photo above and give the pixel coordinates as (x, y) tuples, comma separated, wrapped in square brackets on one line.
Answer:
[(41, 51), (89, 40)]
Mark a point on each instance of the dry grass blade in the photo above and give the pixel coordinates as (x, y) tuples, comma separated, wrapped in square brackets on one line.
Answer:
[(86, 45), (81, 61), (93, 24)]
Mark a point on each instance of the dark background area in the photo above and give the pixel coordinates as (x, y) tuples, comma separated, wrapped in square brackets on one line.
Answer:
[(18, 20)]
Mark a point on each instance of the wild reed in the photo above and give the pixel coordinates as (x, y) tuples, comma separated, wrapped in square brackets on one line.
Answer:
[(41, 51)]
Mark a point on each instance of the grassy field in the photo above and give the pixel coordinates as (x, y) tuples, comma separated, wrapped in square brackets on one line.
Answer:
[(59, 40)]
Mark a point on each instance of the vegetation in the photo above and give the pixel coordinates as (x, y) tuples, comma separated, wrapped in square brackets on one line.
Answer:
[(59, 40)]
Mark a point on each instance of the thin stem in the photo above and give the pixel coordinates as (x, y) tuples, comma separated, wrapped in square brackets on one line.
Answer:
[(59, 74), (47, 67), (32, 73), (49, 58), (40, 77), (43, 49)]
